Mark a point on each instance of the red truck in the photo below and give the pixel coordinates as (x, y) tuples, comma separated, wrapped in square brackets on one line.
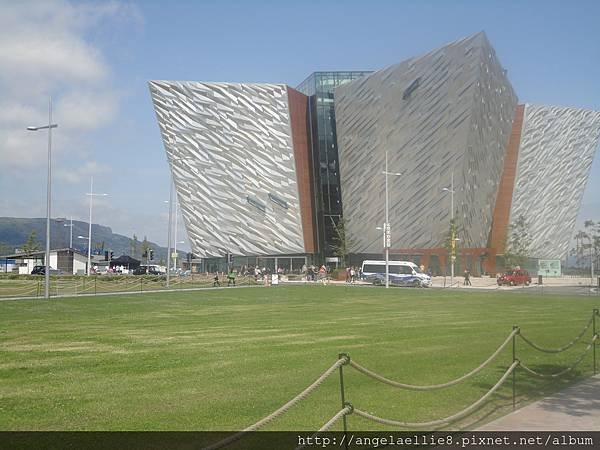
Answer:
[(514, 278)]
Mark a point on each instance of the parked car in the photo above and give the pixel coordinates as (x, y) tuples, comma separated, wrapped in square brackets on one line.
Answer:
[(148, 270), (514, 278), (401, 273), (41, 270)]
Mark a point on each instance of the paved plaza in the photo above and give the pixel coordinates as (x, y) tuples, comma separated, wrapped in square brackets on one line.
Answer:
[(577, 408)]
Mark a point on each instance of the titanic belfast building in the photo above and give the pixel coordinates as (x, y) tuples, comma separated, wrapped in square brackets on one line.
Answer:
[(265, 172)]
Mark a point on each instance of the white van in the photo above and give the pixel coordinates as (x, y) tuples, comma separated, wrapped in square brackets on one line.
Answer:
[(401, 273)]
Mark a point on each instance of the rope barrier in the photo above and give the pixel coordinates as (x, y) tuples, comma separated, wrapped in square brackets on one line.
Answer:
[(282, 410), (397, 384), (345, 411), (561, 349), (568, 369), (445, 421)]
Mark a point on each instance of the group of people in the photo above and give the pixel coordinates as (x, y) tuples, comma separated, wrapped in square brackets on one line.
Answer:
[(312, 273), (352, 274), (231, 275)]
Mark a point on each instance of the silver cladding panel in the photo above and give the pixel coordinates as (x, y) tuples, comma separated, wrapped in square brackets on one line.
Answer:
[(227, 142), (555, 157), (457, 120)]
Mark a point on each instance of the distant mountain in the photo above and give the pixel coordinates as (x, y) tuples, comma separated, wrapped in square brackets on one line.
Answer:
[(15, 231)]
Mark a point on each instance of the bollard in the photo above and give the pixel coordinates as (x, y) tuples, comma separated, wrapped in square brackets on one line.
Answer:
[(96, 284), (141, 284), (514, 358), (344, 419), (594, 335)]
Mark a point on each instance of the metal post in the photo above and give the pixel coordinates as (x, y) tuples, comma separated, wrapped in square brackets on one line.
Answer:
[(96, 284), (48, 203), (141, 284), (591, 263), (175, 237), (343, 395), (514, 358), (169, 232), (89, 261), (593, 336), (71, 235), (386, 227), (453, 243)]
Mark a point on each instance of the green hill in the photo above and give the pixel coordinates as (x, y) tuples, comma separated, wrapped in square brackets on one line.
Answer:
[(14, 232)]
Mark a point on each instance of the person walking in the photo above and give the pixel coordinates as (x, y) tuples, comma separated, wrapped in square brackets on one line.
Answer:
[(467, 278), (231, 277), (323, 274), (216, 282)]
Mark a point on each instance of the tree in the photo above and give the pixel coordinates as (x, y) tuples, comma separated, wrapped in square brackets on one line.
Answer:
[(342, 243), (451, 242), (579, 249), (587, 244), (145, 247), (134, 246), (518, 243), (32, 245)]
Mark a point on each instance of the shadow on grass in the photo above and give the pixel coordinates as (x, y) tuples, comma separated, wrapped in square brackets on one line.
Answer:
[(573, 394)]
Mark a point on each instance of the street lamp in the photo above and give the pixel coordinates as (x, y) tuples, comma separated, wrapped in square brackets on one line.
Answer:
[(169, 236), (453, 238), (386, 225), (591, 260), (70, 225), (170, 202), (48, 195), (89, 236)]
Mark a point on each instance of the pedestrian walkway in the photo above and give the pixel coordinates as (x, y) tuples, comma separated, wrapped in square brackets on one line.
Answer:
[(575, 409)]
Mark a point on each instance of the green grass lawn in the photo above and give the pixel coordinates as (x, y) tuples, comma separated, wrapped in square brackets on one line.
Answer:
[(33, 286), (223, 359)]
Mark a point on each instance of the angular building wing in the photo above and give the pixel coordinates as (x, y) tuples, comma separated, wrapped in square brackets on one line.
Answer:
[(446, 113), (240, 162), (555, 156)]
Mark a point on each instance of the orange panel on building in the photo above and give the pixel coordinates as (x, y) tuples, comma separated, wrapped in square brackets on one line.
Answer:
[(298, 104), (501, 217)]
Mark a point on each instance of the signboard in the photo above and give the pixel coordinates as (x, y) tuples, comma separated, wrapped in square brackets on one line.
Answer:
[(549, 267), (387, 236), (333, 259)]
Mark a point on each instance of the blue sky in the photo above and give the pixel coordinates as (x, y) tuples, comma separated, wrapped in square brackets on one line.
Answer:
[(95, 59)]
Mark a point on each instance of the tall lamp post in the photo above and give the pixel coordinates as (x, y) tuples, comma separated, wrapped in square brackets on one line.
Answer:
[(89, 236), (591, 260), (70, 225), (48, 195), (453, 238), (386, 226), (170, 202)]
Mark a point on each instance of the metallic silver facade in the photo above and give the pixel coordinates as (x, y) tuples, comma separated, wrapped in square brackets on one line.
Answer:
[(232, 160), (555, 157), (449, 111)]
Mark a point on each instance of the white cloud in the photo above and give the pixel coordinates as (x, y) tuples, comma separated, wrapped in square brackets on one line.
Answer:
[(45, 49), (81, 174)]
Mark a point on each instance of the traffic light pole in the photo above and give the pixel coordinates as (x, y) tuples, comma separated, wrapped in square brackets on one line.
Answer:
[(169, 233)]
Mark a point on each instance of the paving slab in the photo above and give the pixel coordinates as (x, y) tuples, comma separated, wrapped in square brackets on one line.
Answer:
[(577, 408)]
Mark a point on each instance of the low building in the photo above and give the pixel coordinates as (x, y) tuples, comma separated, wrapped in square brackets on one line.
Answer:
[(66, 260)]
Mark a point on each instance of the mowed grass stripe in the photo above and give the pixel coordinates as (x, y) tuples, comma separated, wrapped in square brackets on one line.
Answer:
[(223, 359)]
